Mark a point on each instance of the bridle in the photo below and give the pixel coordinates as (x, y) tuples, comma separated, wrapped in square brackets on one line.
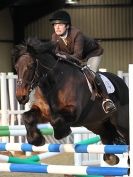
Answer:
[(38, 74), (34, 81), (37, 77)]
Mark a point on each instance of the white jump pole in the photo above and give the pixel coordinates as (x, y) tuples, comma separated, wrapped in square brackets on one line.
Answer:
[(4, 102), (131, 116), (11, 99)]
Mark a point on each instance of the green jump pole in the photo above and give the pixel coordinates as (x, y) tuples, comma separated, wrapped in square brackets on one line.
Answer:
[(21, 160), (6, 131), (92, 140), (4, 127)]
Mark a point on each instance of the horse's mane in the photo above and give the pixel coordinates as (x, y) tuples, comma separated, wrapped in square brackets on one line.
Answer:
[(37, 49), (33, 46)]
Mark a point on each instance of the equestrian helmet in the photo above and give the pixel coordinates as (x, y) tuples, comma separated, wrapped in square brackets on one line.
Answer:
[(60, 17)]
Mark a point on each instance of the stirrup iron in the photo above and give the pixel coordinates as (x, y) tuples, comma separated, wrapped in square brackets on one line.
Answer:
[(113, 107)]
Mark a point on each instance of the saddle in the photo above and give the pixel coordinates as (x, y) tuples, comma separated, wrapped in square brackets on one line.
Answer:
[(95, 81), (90, 76), (99, 90)]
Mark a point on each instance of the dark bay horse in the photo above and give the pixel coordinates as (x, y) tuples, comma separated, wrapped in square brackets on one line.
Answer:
[(63, 98)]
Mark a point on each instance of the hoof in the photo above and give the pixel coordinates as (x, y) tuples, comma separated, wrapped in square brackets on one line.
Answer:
[(128, 172), (111, 159), (61, 133), (128, 161), (36, 142), (35, 139)]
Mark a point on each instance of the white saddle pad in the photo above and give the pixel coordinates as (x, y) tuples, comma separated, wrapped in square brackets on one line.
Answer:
[(109, 86)]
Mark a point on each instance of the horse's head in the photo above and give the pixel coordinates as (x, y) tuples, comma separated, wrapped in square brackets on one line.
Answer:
[(25, 65), (25, 68), (26, 59)]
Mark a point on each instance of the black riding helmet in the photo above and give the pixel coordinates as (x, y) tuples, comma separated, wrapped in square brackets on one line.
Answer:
[(60, 17)]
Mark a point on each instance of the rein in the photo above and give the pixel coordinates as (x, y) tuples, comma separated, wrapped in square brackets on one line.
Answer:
[(82, 69), (34, 81), (39, 66), (37, 77)]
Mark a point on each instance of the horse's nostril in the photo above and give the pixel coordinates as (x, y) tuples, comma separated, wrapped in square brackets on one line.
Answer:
[(23, 99)]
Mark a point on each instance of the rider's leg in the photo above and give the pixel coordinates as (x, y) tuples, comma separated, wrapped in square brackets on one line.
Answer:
[(93, 64), (108, 105)]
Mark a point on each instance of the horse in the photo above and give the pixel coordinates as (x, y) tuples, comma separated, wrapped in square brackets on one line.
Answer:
[(65, 98)]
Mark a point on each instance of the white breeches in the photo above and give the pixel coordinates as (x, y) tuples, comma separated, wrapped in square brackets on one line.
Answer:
[(93, 63)]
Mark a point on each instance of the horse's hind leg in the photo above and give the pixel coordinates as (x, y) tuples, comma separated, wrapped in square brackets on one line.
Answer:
[(31, 119), (107, 134), (110, 159)]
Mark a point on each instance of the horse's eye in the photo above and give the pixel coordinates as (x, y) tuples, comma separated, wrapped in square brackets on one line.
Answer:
[(19, 82)]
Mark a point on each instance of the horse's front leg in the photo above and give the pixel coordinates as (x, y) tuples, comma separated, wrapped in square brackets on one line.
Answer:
[(39, 113), (61, 129), (30, 119)]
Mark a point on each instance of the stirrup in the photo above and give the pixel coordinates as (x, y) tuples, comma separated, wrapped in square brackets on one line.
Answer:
[(104, 105)]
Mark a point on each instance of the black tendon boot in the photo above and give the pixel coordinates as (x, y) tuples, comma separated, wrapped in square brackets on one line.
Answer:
[(107, 104)]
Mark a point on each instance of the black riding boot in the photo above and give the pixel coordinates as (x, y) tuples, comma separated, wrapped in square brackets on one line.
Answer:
[(107, 104)]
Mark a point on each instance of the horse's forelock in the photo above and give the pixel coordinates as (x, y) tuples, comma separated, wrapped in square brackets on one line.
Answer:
[(18, 51), (38, 46), (28, 46), (34, 47)]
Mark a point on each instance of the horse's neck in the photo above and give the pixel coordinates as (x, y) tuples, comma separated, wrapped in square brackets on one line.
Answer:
[(47, 80)]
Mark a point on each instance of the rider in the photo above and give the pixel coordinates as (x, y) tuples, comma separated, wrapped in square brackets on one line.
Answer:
[(71, 43)]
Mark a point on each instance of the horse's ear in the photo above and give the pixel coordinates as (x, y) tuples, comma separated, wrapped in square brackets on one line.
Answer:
[(16, 52)]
